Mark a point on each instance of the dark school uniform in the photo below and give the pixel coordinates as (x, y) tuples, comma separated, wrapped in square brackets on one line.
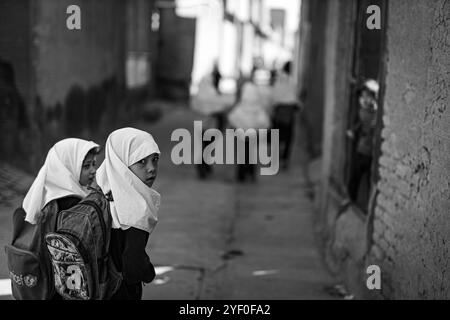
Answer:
[(127, 250)]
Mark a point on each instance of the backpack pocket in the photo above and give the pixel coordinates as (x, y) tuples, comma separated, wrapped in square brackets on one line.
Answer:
[(72, 276), (28, 277)]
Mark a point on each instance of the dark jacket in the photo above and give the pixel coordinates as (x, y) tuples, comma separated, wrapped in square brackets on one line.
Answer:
[(127, 250)]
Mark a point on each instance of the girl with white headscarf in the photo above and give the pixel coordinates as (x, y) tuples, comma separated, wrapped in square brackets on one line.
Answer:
[(68, 169), (60, 184), (127, 175)]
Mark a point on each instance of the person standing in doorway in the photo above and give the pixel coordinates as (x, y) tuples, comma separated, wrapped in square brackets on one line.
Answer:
[(362, 133)]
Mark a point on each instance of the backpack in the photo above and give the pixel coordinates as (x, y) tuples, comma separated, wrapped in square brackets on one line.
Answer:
[(79, 251), (27, 257)]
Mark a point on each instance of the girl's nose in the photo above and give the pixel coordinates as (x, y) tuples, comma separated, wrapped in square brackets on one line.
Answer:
[(150, 168)]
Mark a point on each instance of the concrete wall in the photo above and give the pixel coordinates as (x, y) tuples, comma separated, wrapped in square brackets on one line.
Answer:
[(139, 51), (16, 80), (15, 42), (79, 74), (175, 55), (411, 224), (341, 226), (85, 57), (72, 81), (313, 26)]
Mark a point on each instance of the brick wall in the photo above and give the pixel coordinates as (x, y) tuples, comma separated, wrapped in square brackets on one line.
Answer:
[(412, 217), (407, 233)]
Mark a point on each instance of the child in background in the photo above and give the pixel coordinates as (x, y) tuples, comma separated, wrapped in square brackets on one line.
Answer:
[(362, 134)]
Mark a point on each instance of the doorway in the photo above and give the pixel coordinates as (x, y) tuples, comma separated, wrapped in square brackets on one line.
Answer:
[(363, 132)]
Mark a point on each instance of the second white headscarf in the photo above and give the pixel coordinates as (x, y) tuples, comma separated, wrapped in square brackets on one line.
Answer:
[(59, 176)]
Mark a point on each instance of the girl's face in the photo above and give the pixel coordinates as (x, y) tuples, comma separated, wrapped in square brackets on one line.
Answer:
[(146, 169), (88, 170)]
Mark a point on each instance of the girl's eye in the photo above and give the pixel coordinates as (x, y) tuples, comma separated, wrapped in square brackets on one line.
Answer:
[(142, 161)]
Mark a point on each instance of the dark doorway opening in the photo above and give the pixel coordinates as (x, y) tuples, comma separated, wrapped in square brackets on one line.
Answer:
[(365, 113)]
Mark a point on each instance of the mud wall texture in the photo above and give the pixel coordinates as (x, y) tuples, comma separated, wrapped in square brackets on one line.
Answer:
[(312, 71), (69, 82), (84, 57), (411, 238)]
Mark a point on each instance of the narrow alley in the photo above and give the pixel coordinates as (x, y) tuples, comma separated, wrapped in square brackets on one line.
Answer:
[(233, 241), (217, 239), (251, 149)]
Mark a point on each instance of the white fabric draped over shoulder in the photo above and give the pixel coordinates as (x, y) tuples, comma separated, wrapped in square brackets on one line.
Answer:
[(59, 176), (284, 90), (251, 111), (134, 203)]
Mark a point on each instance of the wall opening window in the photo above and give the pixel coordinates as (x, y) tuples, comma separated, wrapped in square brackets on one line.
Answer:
[(364, 117)]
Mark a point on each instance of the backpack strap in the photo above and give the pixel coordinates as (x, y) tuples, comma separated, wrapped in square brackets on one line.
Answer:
[(108, 195)]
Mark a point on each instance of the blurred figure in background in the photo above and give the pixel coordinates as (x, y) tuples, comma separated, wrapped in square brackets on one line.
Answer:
[(249, 113), (273, 74), (212, 109), (240, 81), (362, 133), (216, 77), (285, 105), (14, 123), (204, 169)]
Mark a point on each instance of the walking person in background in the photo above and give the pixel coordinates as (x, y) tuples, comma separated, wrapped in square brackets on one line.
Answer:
[(249, 113), (273, 74), (126, 176), (14, 122), (284, 107), (216, 77)]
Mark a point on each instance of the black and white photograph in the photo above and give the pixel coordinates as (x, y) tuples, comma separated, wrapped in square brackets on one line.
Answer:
[(237, 152)]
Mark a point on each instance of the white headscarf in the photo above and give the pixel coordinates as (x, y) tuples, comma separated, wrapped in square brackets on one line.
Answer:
[(284, 90), (135, 204), (250, 112), (59, 176)]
